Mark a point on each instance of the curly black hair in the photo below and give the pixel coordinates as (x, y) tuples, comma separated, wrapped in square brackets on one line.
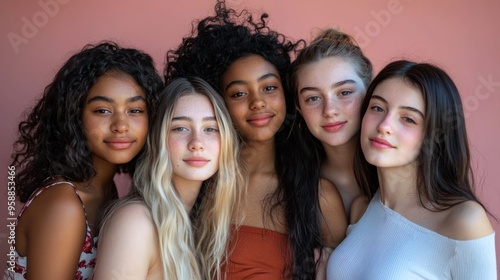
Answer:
[(217, 41), (51, 139), (214, 44)]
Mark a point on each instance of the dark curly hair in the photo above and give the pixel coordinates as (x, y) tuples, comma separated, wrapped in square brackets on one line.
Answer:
[(51, 139), (214, 44)]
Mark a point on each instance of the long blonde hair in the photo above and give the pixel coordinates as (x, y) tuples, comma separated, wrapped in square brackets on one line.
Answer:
[(192, 245)]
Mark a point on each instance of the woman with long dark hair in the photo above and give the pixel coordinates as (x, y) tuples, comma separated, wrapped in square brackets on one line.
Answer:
[(425, 221), (288, 212)]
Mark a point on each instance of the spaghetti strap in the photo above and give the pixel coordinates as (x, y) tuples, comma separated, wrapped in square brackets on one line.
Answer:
[(42, 189), (87, 260)]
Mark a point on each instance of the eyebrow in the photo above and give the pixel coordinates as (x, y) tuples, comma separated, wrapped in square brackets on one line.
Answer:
[(186, 118), (401, 107), (337, 84), (241, 82), (110, 100)]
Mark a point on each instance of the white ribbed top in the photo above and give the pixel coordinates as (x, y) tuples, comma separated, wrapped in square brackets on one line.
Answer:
[(385, 245)]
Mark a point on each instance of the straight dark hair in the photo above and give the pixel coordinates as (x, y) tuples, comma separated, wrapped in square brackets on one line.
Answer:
[(444, 175)]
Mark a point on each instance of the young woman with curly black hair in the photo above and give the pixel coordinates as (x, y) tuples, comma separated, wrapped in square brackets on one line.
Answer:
[(288, 212), (91, 121)]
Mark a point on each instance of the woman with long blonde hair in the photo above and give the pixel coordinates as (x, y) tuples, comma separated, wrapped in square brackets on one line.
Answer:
[(175, 223)]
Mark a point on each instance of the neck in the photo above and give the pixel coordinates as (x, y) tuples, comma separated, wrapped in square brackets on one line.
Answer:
[(340, 157), (101, 185), (398, 186), (258, 156), (338, 168), (188, 192)]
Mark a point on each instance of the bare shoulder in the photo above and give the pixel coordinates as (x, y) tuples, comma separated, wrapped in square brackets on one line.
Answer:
[(128, 243), (358, 208), (57, 205), (130, 217), (467, 220), (59, 196)]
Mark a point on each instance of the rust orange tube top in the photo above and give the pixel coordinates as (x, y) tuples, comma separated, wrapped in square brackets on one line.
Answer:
[(258, 253)]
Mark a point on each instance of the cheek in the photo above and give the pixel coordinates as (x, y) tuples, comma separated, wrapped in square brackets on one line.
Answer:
[(92, 133), (214, 144), (364, 135), (368, 124), (311, 111), (352, 106), (174, 144), (92, 128), (352, 111), (174, 151), (280, 102), (415, 140), (141, 124), (216, 147), (234, 109)]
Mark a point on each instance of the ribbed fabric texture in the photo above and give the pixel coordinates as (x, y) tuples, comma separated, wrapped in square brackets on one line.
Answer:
[(258, 253), (385, 245)]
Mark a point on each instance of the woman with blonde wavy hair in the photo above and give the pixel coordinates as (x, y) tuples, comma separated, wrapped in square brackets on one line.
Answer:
[(175, 223)]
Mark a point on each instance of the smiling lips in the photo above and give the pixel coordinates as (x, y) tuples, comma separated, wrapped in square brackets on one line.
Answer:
[(333, 127), (121, 143), (196, 161), (380, 143), (260, 119)]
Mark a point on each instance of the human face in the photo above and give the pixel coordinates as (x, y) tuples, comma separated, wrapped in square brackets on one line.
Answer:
[(115, 118), (330, 97), (392, 130), (193, 140), (254, 97)]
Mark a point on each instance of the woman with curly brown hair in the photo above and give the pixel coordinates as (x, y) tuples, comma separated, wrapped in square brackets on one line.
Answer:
[(91, 122)]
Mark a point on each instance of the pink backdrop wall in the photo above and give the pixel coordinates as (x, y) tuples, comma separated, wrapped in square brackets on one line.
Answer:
[(460, 35)]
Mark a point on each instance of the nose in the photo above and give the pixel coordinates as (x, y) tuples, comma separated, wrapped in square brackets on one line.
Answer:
[(120, 123), (385, 125), (257, 101), (196, 142), (330, 108)]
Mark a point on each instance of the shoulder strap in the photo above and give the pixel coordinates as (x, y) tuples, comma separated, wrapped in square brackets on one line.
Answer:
[(41, 189)]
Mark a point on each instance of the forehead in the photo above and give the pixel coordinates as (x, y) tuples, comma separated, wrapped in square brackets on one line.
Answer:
[(115, 85), (398, 92), (192, 105), (249, 68), (329, 70)]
